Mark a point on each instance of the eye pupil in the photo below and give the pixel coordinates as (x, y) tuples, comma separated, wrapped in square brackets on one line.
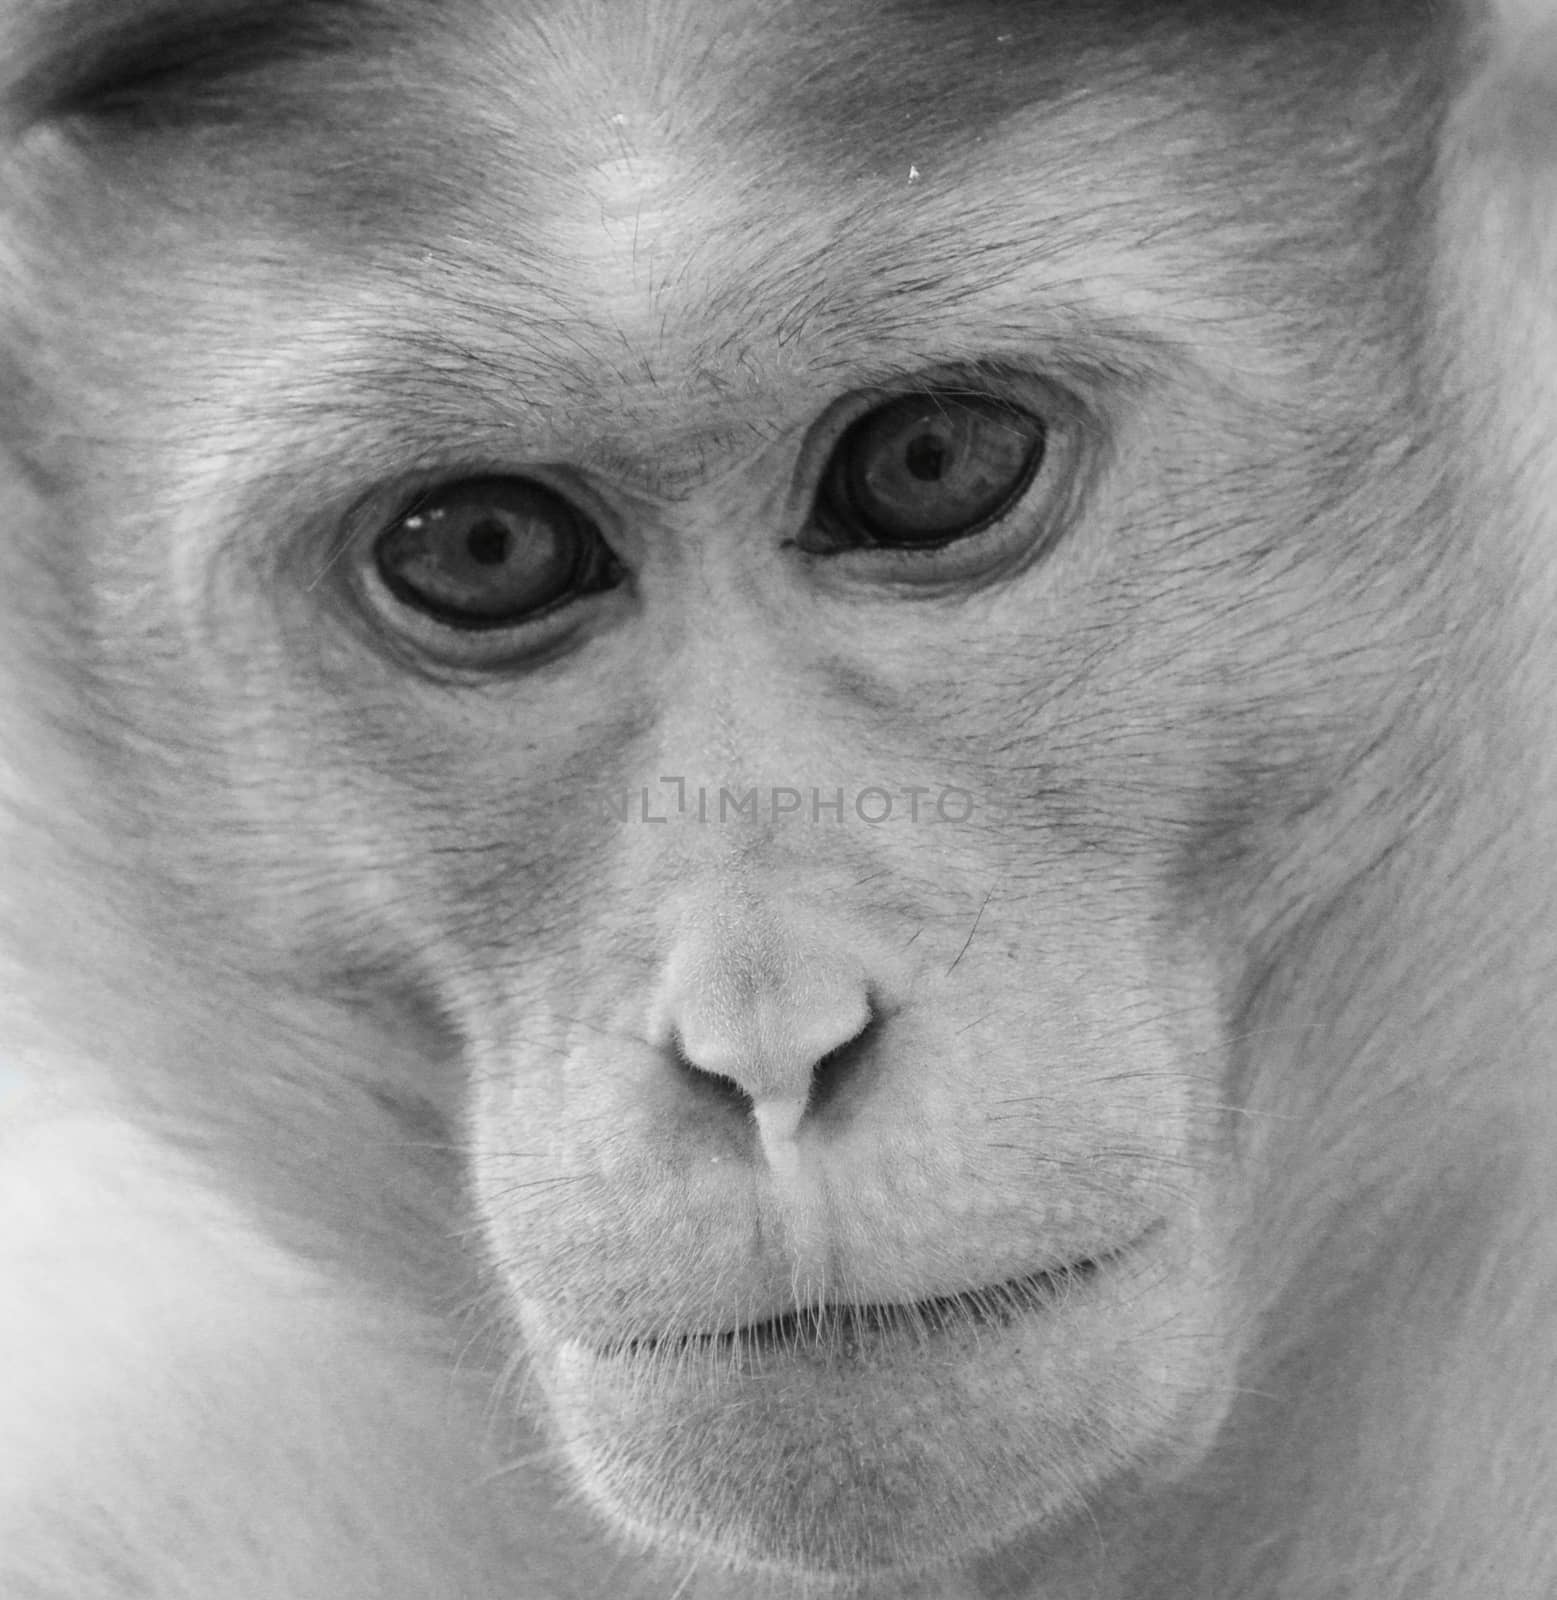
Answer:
[(925, 458), (488, 543)]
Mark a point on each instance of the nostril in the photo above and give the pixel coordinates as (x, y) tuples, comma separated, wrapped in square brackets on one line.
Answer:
[(716, 1083), (838, 1066)]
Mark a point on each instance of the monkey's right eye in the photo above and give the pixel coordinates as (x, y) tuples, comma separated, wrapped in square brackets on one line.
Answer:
[(492, 553)]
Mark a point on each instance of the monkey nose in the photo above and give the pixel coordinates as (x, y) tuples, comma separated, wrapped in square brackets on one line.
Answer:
[(765, 1032), (771, 1048)]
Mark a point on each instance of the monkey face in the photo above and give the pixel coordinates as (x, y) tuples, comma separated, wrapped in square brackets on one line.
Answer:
[(836, 616)]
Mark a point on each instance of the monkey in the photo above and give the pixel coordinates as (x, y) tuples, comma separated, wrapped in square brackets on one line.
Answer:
[(959, 1003)]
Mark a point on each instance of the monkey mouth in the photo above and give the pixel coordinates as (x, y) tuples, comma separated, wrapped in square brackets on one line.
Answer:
[(841, 1329)]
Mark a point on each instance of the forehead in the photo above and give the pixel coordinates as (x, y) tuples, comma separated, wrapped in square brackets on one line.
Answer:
[(840, 80), (609, 202)]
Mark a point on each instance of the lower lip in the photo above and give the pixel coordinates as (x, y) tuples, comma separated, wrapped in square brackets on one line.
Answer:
[(843, 1331)]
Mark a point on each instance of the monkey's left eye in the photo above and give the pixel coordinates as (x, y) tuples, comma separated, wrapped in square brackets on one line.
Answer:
[(490, 553), (924, 470)]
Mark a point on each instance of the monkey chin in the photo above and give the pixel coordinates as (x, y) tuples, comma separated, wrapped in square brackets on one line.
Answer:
[(858, 1442)]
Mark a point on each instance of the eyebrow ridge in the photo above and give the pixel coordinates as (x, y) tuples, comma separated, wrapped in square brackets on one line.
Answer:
[(130, 61)]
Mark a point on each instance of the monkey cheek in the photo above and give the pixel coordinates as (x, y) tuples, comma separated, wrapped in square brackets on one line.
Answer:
[(913, 1451)]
